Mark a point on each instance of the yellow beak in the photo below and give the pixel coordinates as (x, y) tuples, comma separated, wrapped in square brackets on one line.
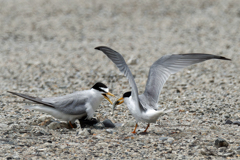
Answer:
[(105, 96), (120, 101)]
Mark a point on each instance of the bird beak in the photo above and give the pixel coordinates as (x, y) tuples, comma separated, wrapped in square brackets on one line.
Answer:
[(105, 96), (119, 101)]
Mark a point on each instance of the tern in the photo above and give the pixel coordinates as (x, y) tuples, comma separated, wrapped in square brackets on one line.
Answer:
[(72, 106), (144, 107)]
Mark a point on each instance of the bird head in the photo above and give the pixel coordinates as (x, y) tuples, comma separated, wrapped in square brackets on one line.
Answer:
[(103, 89), (121, 100)]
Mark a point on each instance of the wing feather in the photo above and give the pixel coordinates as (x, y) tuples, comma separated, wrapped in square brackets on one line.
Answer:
[(165, 66), (119, 61)]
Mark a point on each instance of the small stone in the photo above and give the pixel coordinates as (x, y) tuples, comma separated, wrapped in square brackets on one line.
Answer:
[(99, 125), (238, 150), (228, 122), (14, 126), (83, 132), (208, 151), (170, 140), (236, 123), (3, 126), (108, 123), (54, 125), (44, 118), (227, 115), (222, 149), (220, 142), (118, 124), (110, 131), (130, 124), (163, 138), (132, 61)]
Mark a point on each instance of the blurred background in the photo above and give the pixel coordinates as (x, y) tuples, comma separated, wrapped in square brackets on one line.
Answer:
[(55, 39)]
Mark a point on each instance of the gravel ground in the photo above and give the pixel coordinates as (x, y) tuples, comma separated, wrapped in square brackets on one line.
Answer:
[(47, 49)]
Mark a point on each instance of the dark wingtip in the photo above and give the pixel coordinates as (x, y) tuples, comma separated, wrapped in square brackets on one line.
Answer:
[(10, 92), (99, 47), (224, 58)]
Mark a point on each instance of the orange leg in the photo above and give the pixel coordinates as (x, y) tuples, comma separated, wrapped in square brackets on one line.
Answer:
[(135, 129), (147, 127), (71, 124)]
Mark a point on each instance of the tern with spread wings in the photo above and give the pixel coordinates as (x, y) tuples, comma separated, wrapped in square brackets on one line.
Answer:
[(144, 107), (72, 106)]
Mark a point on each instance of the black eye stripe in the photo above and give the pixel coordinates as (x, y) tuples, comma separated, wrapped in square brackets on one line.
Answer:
[(98, 86), (127, 94)]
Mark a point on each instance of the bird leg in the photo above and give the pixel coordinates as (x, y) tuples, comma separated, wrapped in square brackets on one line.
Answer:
[(71, 124), (147, 127), (135, 129)]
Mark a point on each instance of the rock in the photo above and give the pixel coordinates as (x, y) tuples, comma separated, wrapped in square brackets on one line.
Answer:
[(14, 126), (220, 142), (130, 124), (208, 151), (99, 125), (118, 124), (236, 123), (3, 126), (170, 140), (227, 115), (132, 61), (108, 123), (83, 132), (110, 131), (228, 122), (58, 125), (238, 150), (44, 118), (222, 149), (38, 131), (163, 138)]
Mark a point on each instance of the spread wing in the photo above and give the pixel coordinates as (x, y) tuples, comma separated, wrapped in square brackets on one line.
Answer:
[(119, 61), (73, 104), (164, 67)]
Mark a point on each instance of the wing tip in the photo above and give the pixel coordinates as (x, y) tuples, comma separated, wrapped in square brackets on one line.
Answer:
[(11, 92), (100, 47), (224, 58)]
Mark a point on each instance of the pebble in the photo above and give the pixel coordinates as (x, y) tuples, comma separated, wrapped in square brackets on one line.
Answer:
[(108, 123), (163, 138), (220, 142), (228, 122), (118, 124), (99, 125), (238, 150), (3, 126), (236, 123), (55, 125), (83, 132), (44, 118)]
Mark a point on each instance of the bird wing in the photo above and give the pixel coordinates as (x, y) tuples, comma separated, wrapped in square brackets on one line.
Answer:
[(163, 68), (73, 104), (123, 67)]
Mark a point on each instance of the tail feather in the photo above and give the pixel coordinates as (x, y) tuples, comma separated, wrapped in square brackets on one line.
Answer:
[(34, 99)]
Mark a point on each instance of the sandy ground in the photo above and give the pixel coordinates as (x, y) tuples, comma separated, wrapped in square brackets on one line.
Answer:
[(47, 49)]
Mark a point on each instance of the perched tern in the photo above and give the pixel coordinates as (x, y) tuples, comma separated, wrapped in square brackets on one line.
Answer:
[(144, 107), (72, 106)]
